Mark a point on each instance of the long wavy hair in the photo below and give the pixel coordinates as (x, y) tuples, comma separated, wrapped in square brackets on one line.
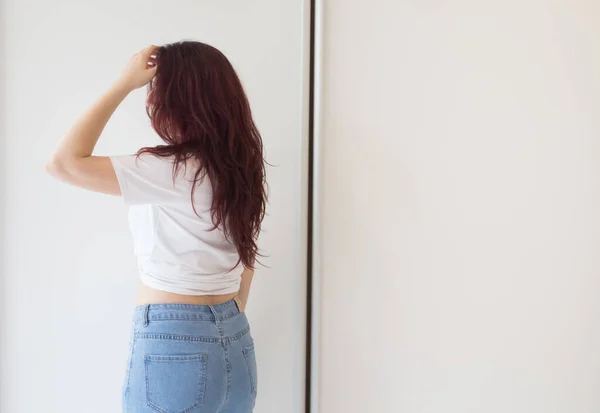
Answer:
[(197, 105)]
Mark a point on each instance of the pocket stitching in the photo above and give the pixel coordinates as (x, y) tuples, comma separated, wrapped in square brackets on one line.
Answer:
[(246, 351), (167, 358)]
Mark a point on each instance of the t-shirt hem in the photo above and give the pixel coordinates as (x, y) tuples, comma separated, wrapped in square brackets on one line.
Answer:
[(150, 282)]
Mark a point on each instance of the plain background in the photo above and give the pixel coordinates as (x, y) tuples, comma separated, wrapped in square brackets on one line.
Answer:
[(459, 206), (68, 269), (457, 260)]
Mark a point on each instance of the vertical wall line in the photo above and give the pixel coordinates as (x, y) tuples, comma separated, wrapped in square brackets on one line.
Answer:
[(310, 217), (313, 280)]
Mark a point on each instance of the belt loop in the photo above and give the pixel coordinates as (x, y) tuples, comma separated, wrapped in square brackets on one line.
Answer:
[(146, 319), (216, 316), (218, 325), (214, 313)]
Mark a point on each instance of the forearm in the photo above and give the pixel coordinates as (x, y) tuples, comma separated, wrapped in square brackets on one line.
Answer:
[(80, 141), (72, 161), (245, 284)]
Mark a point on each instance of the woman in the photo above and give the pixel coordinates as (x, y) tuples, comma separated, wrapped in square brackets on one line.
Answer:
[(196, 206)]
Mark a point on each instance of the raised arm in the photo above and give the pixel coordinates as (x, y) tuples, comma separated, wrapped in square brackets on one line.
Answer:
[(73, 162)]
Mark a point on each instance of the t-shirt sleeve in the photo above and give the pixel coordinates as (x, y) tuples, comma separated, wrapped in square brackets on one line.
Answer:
[(145, 179)]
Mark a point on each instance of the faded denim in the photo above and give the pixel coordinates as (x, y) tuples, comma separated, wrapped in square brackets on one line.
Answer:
[(187, 358)]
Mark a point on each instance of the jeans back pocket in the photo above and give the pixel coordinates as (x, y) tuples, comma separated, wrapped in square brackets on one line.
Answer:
[(175, 384), (250, 356)]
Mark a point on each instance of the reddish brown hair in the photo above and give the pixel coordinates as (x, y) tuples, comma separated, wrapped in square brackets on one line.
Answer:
[(198, 107)]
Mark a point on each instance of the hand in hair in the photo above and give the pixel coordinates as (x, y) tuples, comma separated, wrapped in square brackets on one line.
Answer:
[(140, 69)]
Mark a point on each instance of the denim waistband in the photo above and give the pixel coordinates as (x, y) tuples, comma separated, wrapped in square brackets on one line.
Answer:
[(155, 312)]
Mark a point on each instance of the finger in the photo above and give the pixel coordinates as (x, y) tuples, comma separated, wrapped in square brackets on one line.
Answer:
[(149, 51), (151, 63)]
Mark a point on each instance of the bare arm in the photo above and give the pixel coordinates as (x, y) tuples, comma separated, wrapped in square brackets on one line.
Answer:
[(244, 292), (73, 162)]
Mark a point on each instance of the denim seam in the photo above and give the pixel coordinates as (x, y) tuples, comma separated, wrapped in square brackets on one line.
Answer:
[(224, 344), (187, 317), (131, 350), (237, 336), (182, 306), (176, 337), (246, 351), (193, 357), (228, 367)]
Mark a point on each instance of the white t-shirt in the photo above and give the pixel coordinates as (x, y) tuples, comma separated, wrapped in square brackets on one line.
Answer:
[(175, 249)]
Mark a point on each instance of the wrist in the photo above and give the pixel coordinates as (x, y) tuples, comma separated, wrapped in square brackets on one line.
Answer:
[(121, 87)]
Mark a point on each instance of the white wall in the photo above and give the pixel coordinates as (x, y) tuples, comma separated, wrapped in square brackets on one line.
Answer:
[(68, 272), (459, 206)]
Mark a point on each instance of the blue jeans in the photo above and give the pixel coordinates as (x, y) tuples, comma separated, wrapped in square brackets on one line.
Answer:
[(187, 358)]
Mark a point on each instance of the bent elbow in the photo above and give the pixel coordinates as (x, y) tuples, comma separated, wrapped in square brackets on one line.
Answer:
[(56, 168)]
